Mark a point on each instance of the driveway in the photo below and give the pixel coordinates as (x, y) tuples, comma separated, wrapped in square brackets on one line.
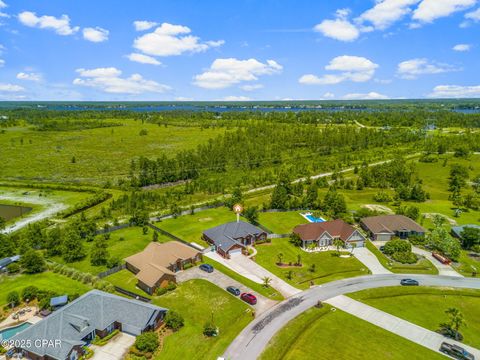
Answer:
[(442, 268), (370, 261), (115, 349), (403, 328), (221, 280)]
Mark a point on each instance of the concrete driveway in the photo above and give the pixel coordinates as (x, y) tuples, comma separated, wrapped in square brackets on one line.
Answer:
[(370, 261), (442, 268), (115, 349), (223, 281)]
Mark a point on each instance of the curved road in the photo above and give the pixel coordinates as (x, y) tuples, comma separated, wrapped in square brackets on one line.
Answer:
[(253, 339)]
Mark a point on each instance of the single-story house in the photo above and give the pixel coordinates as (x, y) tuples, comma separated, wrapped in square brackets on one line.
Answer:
[(7, 261), (324, 233), (384, 227), (231, 238), (457, 230), (157, 264), (61, 335)]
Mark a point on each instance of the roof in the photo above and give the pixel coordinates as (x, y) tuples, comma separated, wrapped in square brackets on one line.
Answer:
[(457, 230), (391, 224), (154, 260), (95, 310), (59, 300), (7, 261), (224, 236), (336, 228)]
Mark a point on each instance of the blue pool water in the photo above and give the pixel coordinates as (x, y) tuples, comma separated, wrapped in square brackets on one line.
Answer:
[(10, 332), (314, 219)]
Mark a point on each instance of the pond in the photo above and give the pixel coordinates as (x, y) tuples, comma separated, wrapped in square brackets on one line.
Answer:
[(9, 212)]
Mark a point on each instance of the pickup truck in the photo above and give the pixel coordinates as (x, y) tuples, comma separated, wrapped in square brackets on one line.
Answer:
[(456, 351)]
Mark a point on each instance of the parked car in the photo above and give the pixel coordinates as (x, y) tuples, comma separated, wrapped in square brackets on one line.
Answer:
[(409, 282), (456, 351), (233, 290), (249, 298), (382, 248), (206, 267)]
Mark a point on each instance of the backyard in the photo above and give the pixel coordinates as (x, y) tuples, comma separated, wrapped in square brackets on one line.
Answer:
[(281, 222)]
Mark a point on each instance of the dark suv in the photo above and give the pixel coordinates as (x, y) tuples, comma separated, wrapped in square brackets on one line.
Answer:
[(409, 282), (206, 267), (249, 298), (233, 290), (456, 351)]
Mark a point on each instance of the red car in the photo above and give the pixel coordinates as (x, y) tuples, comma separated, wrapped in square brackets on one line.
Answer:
[(249, 298)]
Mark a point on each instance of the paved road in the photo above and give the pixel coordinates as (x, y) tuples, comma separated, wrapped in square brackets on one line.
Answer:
[(391, 323), (370, 261), (250, 343), (223, 281)]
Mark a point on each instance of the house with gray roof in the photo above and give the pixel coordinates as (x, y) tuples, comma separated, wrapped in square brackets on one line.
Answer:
[(231, 238), (61, 335), (458, 230), (7, 261)]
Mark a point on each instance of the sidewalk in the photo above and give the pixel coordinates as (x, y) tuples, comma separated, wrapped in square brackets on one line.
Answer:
[(370, 261), (400, 327)]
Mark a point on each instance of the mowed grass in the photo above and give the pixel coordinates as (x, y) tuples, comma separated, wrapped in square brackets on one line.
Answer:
[(198, 301), (45, 281), (126, 280), (100, 154), (326, 334), (468, 263), (328, 267), (426, 306), (423, 266), (281, 222)]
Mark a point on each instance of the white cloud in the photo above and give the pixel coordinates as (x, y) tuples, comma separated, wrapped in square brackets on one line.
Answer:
[(236, 98), (224, 73), (387, 12), (473, 15), (328, 95), (109, 80), (183, 98), (143, 59), (60, 25), (29, 76), (411, 69), (251, 87), (430, 10), (4, 87), (96, 34), (455, 91), (2, 62), (168, 40), (462, 47), (369, 96), (2, 5), (340, 28), (350, 68), (142, 25)]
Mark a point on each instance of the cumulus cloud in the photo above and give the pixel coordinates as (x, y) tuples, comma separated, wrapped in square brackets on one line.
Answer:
[(473, 15), (2, 5), (109, 80), (236, 98), (60, 25), (29, 76), (251, 87), (430, 10), (368, 96), (96, 34), (328, 95), (462, 47), (387, 12), (411, 69), (340, 28), (350, 68), (142, 25), (169, 40), (143, 59), (455, 91), (5, 87), (224, 73)]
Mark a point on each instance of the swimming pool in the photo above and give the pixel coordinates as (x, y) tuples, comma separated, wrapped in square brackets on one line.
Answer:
[(314, 219), (7, 333)]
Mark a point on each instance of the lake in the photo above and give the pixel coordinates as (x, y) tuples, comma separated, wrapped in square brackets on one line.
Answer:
[(9, 212)]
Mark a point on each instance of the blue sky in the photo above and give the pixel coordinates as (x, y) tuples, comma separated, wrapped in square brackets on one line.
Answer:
[(223, 50)]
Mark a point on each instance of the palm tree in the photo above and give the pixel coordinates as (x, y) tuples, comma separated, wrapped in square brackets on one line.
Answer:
[(456, 320), (338, 244), (289, 274), (266, 281), (280, 258), (299, 259), (353, 246)]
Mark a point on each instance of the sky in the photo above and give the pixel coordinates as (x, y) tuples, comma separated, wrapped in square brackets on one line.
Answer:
[(238, 50)]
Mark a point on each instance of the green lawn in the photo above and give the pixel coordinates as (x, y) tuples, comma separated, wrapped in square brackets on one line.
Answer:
[(426, 306), (328, 267), (45, 281), (281, 222), (325, 334), (466, 263), (126, 280), (423, 266), (197, 301)]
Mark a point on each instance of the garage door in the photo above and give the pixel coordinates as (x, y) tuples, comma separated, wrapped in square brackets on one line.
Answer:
[(132, 330), (235, 252), (383, 237)]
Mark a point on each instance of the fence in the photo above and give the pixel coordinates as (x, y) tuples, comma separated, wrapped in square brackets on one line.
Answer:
[(132, 295), (277, 236), (188, 211), (112, 271), (170, 235)]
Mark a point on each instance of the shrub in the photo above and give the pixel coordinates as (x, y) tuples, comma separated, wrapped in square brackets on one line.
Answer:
[(174, 320), (113, 261), (405, 257), (382, 196), (209, 329), (171, 286), (147, 342), (13, 298), (13, 268), (161, 291), (29, 293), (395, 246), (187, 266)]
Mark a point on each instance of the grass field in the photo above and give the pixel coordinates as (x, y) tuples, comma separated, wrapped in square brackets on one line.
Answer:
[(45, 281), (423, 266), (466, 264), (324, 334), (126, 280), (198, 301), (327, 266), (426, 306), (281, 222)]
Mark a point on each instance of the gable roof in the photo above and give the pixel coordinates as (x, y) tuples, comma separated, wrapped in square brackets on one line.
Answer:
[(95, 310), (457, 230), (336, 228), (391, 224), (154, 260), (224, 236)]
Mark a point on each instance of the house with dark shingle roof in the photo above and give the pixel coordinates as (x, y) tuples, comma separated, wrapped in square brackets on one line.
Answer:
[(324, 233), (61, 335), (231, 238), (384, 227), (7, 261)]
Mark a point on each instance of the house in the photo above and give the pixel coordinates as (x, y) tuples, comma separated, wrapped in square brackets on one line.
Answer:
[(157, 264), (7, 261), (58, 302), (384, 227), (231, 238), (61, 335), (324, 233), (457, 230)]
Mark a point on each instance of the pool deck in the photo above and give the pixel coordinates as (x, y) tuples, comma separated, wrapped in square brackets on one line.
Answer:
[(26, 317), (307, 216)]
